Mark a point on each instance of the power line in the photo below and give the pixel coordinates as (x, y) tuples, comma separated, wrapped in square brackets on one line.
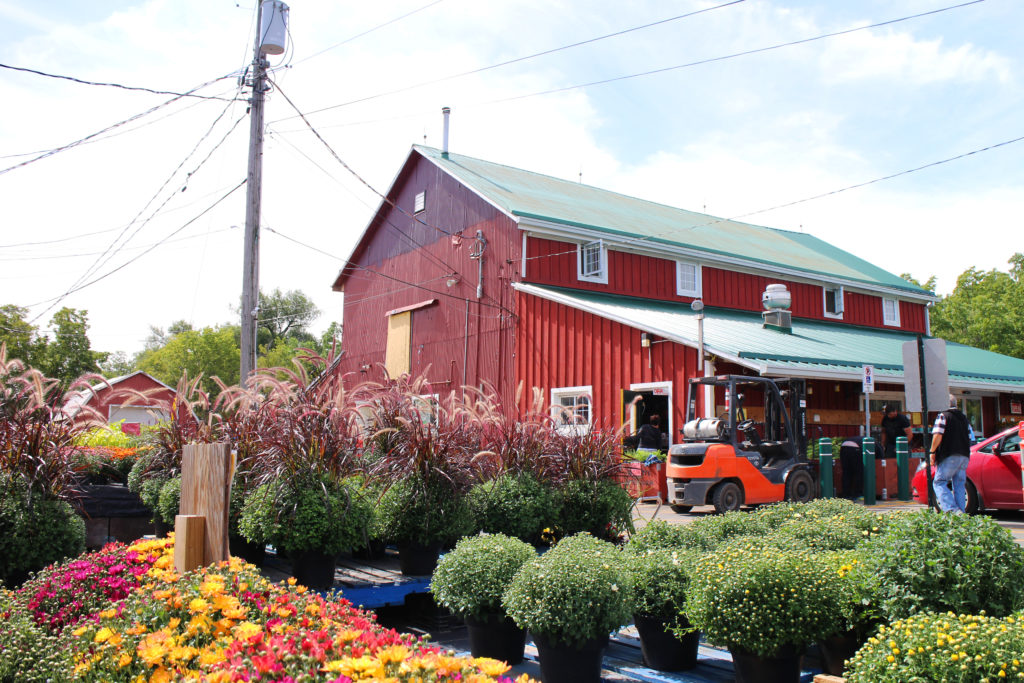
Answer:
[(97, 253), (369, 31), (111, 85), (76, 143), (108, 254), (130, 261), (731, 56), (518, 59)]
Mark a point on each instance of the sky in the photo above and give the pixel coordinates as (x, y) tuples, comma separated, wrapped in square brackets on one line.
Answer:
[(138, 224)]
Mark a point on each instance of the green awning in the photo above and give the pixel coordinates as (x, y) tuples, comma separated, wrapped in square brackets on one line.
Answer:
[(813, 349)]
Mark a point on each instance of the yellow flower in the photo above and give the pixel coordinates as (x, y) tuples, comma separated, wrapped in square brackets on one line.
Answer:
[(108, 614), (198, 605), (395, 653), (124, 660), (103, 635), (246, 630), (491, 667)]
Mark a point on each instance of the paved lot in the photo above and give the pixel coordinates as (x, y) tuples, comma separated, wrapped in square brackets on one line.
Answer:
[(645, 512)]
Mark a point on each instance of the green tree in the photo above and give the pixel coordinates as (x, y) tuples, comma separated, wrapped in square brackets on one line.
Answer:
[(68, 355), (985, 310), (116, 364), (212, 351), (285, 315), (22, 338)]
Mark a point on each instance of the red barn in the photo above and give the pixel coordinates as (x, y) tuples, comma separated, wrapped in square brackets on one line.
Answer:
[(477, 273), (137, 399)]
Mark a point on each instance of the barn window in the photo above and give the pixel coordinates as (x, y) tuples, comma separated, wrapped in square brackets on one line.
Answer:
[(891, 312), (688, 280), (398, 352), (571, 408), (421, 202), (592, 262), (833, 302)]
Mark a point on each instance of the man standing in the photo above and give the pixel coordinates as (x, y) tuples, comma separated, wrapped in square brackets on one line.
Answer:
[(894, 425), (950, 453)]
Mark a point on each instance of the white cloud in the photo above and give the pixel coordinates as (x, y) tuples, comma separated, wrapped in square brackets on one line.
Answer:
[(899, 57)]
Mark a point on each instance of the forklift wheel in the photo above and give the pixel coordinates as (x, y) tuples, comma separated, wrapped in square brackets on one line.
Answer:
[(682, 508), (799, 486), (728, 496)]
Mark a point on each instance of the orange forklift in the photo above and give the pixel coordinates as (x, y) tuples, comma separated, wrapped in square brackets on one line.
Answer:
[(738, 458)]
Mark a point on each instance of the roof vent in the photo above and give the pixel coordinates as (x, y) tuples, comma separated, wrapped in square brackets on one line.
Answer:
[(776, 301)]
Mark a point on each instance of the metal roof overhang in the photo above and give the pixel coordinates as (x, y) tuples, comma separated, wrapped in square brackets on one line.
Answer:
[(814, 350)]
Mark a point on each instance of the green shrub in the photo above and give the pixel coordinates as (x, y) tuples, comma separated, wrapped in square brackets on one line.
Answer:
[(936, 562), (942, 647), (858, 600), (169, 500), (658, 535), (760, 600), (471, 579), (415, 511), (146, 482), (659, 579), (578, 591), (34, 532), (821, 533), (327, 519), (515, 505), (29, 653), (601, 508)]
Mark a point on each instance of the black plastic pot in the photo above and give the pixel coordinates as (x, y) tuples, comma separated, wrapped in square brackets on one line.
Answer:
[(314, 570), (374, 550), (253, 553), (416, 559), (160, 527), (836, 649), (782, 667), (661, 649), (560, 663), (496, 636)]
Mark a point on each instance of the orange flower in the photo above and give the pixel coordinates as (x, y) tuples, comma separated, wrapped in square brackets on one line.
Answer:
[(491, 667), (395, 653)]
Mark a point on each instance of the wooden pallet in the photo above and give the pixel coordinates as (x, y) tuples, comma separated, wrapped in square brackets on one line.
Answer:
[(365, 583)]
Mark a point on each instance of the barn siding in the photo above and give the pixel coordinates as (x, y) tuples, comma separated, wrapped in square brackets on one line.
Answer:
[(406, 261), (562, 346), (552, 262)]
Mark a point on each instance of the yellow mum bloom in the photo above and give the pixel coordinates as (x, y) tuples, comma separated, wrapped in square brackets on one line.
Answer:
[(491, 667), (395, 653), (198, 605), (124, 660), (246, 630)]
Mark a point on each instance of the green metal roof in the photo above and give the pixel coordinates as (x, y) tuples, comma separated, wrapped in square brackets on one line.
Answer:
[(813, 349), (534, 196)]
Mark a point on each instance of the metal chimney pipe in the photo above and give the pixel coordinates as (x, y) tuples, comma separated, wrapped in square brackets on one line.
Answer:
[(446, 112)]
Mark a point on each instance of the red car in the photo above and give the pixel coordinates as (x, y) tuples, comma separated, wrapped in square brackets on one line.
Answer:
[(993, 475)]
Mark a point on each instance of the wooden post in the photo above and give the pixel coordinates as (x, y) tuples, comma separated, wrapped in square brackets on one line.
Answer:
[(206, 471), (189, 541)]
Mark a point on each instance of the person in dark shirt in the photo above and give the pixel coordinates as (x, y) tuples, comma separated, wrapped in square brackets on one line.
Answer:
[(894, 426), (649, 435), (950, 454)]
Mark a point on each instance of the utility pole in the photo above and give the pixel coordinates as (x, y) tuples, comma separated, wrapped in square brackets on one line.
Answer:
[(253, 195)]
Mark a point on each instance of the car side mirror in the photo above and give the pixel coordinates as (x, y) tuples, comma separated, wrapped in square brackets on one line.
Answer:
[(997, 449)]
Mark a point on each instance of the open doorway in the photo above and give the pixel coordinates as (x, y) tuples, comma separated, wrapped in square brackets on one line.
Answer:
[(649, 404)]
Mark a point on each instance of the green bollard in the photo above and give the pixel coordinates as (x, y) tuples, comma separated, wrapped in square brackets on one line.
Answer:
[(869, 470), (903, 468), (825, 468)]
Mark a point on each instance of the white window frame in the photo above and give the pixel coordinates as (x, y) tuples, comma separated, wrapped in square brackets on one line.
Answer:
[(894, 321), (559, 412), (420, 202), (649, 386), (696, 292), (838, 289), (601, 277)]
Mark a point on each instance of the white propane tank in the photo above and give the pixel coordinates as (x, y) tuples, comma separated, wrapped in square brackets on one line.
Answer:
[(273, 27), (703, 429)]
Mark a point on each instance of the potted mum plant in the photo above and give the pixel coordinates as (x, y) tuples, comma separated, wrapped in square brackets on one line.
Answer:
[(570, 599), (660, 577), (425, 459), (306, 497), (765, 604), (470, 581)]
